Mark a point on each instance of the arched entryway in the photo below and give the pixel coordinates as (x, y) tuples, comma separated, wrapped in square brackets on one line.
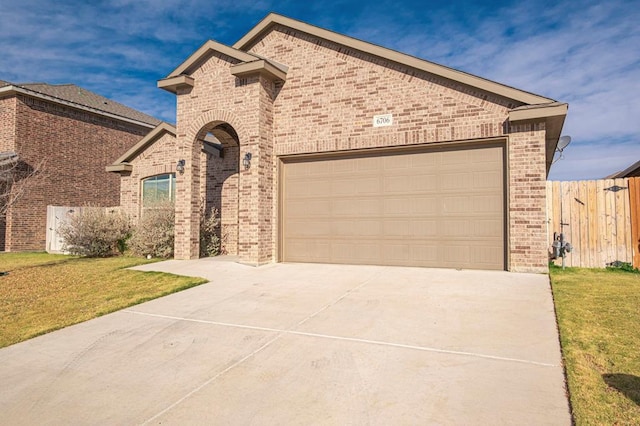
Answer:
[(219, 179)]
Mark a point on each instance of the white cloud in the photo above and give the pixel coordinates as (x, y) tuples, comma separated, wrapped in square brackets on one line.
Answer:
[(586, 54)]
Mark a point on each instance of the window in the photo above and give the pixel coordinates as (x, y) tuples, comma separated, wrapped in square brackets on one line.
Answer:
[(158, 189)]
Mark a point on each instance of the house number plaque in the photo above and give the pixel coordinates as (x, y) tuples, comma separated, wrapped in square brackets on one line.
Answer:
[(382, 120)]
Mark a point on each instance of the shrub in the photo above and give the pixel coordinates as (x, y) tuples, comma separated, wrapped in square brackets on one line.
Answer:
[(209, 230), (154, 234), (95, 232), (617, 265)]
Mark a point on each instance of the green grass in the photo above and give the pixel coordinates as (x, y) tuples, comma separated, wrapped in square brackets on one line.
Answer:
[(45, 292), (599, 319)]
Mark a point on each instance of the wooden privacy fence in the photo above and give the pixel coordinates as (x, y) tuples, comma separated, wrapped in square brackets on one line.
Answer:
[(600, 218)]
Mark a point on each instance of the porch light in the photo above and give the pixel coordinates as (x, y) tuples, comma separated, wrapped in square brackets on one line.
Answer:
[(180, 166), (246, 161)]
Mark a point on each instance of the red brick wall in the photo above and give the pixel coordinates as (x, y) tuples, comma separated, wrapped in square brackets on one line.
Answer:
[(76, 146)]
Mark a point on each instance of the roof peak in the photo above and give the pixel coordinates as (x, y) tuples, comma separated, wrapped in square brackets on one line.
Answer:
[(272, 19)]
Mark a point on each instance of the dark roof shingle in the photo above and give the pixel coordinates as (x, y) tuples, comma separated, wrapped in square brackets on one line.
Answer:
[(78, 95)]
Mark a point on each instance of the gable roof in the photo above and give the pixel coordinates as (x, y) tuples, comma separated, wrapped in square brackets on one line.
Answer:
[(631, 171), (123, 163), (248, 63), (528, 106), (240, 52), (77, 97)]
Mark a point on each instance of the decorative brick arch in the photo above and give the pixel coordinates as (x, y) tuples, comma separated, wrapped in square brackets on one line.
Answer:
[(219, 181), (216, 116), (223, 194)]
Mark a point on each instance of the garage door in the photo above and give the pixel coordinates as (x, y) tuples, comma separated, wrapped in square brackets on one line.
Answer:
[(436, 208)]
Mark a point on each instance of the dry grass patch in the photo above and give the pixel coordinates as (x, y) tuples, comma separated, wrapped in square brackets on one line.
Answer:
[(599, 319), (44, 292)]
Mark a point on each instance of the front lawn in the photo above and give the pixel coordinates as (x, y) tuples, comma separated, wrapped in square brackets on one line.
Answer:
[(44, 292), (599, 319)]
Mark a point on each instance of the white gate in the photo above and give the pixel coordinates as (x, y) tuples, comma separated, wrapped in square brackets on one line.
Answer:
[(56, 216)]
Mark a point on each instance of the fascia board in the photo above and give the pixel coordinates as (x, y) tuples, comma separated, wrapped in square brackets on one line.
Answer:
[(411, 61), (207, 47), (12, 90), (144, 142), (260, 66)]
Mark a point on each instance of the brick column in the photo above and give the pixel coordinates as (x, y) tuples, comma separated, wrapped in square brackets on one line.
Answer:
[(527, 198), (187, 224), (256, 184)]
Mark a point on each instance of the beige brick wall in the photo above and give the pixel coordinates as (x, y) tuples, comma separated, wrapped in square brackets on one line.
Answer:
[(332, 93), (327, 104), (7, 124), (528, 245), (218, 98), (7, 143), (158, 158), (219, 180), (218, 183)]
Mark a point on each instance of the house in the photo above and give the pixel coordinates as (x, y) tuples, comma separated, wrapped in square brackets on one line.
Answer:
[(67, 134), (631, 171), (331, 149)]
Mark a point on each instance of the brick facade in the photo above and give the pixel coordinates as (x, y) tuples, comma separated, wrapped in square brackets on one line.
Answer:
[(74, 147), (326, 104), (527, 198), (218, 182)]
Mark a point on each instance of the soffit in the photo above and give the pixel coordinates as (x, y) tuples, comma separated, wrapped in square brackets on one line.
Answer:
[(631, 171), (552, 114)]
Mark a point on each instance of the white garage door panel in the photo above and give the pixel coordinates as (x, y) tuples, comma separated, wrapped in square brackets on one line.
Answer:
[(433, 208)]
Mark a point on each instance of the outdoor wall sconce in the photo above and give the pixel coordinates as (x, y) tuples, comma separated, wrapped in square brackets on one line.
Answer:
[(180, 166), (246, 161)]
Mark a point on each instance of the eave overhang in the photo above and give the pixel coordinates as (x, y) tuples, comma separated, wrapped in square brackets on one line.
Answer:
[(273, 19), (118, 168), (245, 64), (173, 84), (260, 66), (553, 114), (12, 90), (123, 164), (631, 171)]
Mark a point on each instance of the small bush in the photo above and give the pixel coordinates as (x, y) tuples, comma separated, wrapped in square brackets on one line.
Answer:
[(154, 235), (617, 265), (95, 232), (209, 230)]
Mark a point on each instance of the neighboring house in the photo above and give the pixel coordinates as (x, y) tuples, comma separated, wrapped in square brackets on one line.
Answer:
[(631, 171), (340, 151), (71, 134)]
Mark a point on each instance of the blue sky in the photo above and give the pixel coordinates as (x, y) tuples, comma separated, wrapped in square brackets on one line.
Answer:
[(586, 53)]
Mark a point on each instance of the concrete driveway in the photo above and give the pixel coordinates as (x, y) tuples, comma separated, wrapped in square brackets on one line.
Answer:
[(302, 344)]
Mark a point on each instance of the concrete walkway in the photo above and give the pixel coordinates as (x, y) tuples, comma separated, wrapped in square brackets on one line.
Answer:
[(302, 344)]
